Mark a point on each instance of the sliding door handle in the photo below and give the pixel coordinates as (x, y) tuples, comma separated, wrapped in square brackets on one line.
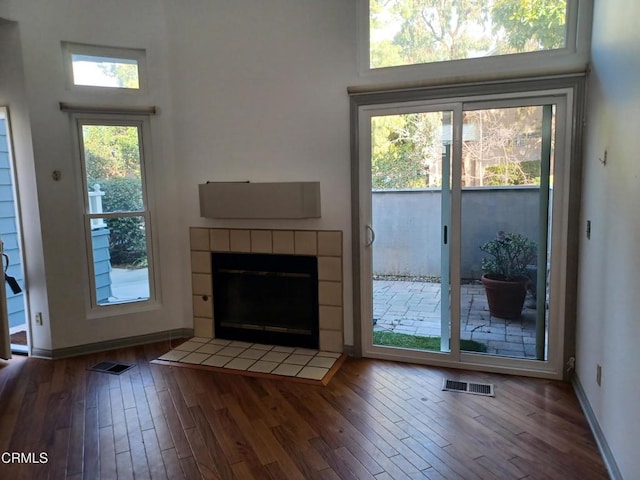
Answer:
[(445, 235), (372, 236)]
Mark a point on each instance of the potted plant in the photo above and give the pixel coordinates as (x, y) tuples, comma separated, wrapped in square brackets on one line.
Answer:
[(505, 276)]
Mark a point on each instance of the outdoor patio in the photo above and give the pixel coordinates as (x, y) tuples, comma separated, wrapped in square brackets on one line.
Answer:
[(414, 308)]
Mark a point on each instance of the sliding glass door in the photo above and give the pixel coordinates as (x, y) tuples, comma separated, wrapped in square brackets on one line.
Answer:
[(455, 197), (410, 188), (506, 224)]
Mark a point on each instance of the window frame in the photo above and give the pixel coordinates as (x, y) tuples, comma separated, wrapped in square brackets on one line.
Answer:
[(142, 123), (139, 55), (573, 57), (566, 228)]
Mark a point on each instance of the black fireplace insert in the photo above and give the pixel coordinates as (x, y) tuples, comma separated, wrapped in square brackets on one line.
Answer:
[(265, 298)]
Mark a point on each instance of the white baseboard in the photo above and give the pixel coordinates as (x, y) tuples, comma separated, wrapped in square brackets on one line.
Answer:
[(603, 446), (112, 344)]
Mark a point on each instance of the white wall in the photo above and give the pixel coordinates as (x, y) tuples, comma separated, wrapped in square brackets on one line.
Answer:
[(245, 90), (608, 331), (259, 93)]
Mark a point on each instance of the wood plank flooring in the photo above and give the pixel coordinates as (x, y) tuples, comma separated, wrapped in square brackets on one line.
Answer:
[(374, 420)]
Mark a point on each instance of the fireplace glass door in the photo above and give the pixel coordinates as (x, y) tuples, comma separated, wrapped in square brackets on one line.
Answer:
[(262, 298)]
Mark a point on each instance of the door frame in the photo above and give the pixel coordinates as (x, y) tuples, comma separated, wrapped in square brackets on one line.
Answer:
[(4, 111), (564, 261)]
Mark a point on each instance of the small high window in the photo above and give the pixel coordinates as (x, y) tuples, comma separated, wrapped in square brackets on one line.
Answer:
[(104, 67)]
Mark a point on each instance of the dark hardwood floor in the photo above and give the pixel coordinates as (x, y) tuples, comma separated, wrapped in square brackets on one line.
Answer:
[(375, 419)]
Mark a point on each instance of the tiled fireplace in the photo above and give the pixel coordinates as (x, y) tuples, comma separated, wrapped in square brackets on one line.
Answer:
[(325, 245)]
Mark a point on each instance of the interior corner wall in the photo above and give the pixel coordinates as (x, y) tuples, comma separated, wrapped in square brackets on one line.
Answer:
[(13, 96), (608, 325)]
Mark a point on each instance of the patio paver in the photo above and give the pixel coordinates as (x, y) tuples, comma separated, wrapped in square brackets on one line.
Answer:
[(414, 308)]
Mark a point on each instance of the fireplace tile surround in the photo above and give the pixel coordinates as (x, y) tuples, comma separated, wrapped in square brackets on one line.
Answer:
[(326, 245)]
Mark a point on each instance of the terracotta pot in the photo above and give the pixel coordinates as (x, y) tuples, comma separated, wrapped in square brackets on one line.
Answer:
[(505, 298)]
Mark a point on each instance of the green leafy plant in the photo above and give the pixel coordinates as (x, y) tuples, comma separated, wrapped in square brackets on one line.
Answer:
[(127, 240), (509, 256), (514, 173)]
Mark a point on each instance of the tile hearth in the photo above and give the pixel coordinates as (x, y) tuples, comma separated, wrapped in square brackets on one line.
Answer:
[(253, 358)]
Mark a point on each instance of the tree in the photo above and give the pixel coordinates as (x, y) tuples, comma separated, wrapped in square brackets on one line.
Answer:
[(111, 151), (530, 25), (112, 160), (502, 146), (407, 32), (437, 30), (127, 239), (407, 150), (428, 30), (125, 74)]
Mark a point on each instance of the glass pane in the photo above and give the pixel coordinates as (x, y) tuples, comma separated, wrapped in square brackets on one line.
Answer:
[(408, 32), (507, 168), (120, 259), (96, 71), (409, 165), (113, 172)]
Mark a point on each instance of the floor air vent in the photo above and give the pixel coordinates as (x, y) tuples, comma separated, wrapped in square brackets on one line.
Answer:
[(485, 389), (114, 368)]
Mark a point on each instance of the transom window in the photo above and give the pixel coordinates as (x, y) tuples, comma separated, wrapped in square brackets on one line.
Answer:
[(408, 32), (472, 40), (104, 67)]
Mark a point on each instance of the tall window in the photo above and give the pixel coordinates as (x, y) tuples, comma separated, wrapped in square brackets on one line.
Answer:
[(117, 220), (409, 32)]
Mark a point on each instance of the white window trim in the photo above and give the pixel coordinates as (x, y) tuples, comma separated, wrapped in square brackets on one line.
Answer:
[(69, 49), (94, 310), (573, 58)]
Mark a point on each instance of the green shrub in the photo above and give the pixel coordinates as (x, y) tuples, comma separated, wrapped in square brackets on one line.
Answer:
[(127, 240), (516, 173)]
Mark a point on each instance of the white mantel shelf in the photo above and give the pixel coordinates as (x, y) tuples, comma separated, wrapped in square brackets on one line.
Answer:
[(260, 200)]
